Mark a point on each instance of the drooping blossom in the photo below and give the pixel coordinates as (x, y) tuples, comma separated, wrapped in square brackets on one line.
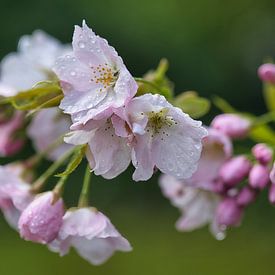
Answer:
[(91, 233), (10, 142), (198, 206), (164, 137), (41, 220), (32, 63), (15, 193), (197, 197), (266, 72), (46, 127), (108, 153), (93, 77), (231, 125)]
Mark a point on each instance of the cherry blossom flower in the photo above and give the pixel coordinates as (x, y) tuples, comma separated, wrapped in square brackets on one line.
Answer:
[(41, 220), (46, 127), (15, 193), (164, 137), (93, 77), (109, 153), (198, 206), (92, 235), (31, 64), (9, 142)]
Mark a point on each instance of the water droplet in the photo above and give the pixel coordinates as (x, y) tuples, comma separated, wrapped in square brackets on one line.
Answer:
[(73, 73), (81, 44), (220, 236)]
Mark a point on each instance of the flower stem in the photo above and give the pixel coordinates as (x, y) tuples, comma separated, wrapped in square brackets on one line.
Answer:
[(34, 160), (264, 119), (39, 183), (84, 195), (59, 188)]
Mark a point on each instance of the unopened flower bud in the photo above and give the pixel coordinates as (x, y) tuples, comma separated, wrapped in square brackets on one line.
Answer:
[(229, 213), (266, 72), (246, 196), (258, 176), (271, 194), (231, 125), (41, 220), (235, 170), (262, 153)]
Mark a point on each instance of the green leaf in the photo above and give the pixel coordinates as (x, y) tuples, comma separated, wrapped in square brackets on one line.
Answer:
[(223, 105), (156, 81), (192, 104), (75, 161), (263, 133), (42, 95)]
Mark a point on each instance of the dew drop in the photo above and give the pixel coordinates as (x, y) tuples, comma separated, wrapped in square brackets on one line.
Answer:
[(81, 45), (220, 236)]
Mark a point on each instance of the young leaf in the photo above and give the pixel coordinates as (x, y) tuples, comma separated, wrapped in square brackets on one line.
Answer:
[(41, 94), (192, 104), (156, 81)]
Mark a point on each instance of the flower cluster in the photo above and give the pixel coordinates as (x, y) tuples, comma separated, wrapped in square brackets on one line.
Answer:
[(80, 102), (86, 95)]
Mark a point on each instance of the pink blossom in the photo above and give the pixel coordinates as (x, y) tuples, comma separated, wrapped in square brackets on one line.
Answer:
[(92, 235), (258, 176), (31, 64), (9, 143), (266, 72), (109, 153), (262, 153), (41, 220), (229, 213), (198, 206), (14, 193), (47, 126), (231, 125), (94, 78), (235, 170), (164, 137)]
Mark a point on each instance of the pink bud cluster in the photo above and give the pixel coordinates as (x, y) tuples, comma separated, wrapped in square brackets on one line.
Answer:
[(224, 185)]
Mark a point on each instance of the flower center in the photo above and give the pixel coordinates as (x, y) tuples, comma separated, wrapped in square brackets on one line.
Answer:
[(105, 75), (158, 120)]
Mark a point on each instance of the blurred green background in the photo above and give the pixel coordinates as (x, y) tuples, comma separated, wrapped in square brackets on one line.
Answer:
[(213, 47)]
